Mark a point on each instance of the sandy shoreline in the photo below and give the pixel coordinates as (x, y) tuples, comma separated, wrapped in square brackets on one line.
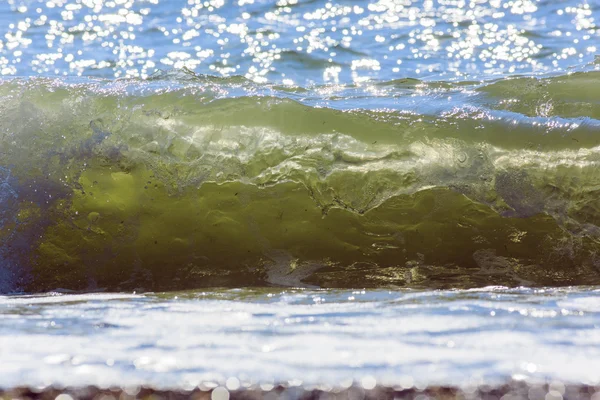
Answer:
[(509, 391)]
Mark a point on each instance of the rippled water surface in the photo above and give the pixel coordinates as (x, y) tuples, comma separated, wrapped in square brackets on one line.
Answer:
[(310, 337), (297, 41)]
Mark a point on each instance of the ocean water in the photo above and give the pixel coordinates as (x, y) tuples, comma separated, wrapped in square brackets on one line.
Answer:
[(325, 338), (297, 42), (395, 190)]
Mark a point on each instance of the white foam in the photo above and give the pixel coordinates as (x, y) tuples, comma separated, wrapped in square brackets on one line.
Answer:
[(318, 337)]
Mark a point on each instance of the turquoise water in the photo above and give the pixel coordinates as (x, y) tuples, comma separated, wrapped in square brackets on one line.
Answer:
[(415, 186)]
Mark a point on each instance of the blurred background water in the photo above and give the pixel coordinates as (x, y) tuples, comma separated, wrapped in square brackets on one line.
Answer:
[(298, 42)]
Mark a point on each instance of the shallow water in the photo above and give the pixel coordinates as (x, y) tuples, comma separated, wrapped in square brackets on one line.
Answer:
[(260, 336)]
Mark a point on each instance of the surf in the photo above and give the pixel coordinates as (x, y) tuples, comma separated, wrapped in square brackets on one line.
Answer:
[(182, 181)]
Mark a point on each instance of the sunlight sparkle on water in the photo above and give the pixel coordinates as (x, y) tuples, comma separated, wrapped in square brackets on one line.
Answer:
[(329, 41)]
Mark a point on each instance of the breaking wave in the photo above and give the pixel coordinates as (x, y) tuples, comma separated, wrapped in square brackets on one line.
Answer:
[(184, 181)]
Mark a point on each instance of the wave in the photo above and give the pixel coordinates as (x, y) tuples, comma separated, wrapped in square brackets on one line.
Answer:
[(183, 181)]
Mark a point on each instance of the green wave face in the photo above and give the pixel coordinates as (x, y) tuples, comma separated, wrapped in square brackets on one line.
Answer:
[(166, 185)]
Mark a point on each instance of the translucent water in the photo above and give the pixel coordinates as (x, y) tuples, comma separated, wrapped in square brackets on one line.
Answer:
[(170, 145), (184, 181)]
